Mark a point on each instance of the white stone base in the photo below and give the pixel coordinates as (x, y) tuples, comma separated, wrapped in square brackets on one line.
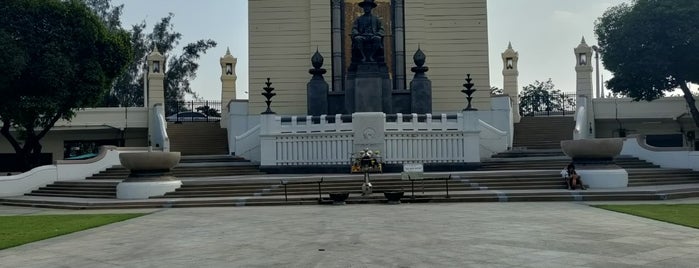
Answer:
[(146, 189), (604, 178)]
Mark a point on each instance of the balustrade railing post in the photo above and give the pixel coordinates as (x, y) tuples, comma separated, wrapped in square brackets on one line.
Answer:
[(320, 196), (286, 197), (447, 184)]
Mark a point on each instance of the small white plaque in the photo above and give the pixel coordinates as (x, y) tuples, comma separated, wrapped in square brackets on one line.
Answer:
[(413, 168), (412, 172)]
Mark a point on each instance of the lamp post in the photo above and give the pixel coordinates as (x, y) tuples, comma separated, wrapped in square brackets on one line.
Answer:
[(599, 93)]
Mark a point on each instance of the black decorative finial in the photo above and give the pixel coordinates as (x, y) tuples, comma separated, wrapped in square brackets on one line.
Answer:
[(317, 62), (468, 91), (419, 59), (268, 94)]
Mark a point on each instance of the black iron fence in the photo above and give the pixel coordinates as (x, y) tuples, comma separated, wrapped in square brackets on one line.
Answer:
[(548, 105), (193, 111)]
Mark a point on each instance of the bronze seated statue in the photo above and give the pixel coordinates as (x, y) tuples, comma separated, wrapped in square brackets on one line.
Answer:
[(367, 36)]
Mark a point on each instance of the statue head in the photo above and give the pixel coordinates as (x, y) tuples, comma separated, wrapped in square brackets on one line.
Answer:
[(367, 5)]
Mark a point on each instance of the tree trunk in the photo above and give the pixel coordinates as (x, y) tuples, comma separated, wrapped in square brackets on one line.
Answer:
[(691, 103)]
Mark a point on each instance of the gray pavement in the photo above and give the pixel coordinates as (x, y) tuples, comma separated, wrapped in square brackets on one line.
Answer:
[(550, 234)]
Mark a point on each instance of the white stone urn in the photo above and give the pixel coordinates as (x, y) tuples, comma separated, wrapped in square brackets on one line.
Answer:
[(150, 174), (594, 162)]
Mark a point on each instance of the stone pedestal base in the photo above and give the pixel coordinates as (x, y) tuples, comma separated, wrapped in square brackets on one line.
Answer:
[(144, 190), (604, 178), (368, 88)]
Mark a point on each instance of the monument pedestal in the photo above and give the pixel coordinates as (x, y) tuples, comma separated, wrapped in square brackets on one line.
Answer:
[(369, 89)]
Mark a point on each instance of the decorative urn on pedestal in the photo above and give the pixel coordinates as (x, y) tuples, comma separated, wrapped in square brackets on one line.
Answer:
[(150, 174)]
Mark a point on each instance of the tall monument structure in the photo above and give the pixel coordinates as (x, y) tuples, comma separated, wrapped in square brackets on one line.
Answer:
[(228, 79), (453, 34), (583, 89), (156, 91), (510, 74)]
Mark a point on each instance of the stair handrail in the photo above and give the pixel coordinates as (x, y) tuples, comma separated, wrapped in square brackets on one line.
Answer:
[(580, 119), (244, 148), (161, 138), (489, 147)]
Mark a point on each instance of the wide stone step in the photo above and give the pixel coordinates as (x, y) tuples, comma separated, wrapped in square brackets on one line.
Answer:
[(108, 196), (355, 198)]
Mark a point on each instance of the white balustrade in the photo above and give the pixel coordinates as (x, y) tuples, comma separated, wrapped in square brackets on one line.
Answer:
[(327, 140)]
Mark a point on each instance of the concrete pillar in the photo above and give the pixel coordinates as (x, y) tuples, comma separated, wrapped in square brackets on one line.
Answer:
[(228, 79), (156, 89), (510, 74), (583, 70)]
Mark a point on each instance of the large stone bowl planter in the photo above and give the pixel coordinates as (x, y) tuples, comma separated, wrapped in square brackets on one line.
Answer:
[(594, 162), (592, 149), (393, 197), (150, 174), (338, 198)]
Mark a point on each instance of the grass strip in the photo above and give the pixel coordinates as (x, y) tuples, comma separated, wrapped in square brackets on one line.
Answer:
[(682, 214), (19, 230)]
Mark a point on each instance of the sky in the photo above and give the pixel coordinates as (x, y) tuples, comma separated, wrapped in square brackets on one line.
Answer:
[(544, 32)]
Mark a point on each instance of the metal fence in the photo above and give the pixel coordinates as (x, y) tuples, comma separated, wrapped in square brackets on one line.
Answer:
[(193, 111), (551, 105)]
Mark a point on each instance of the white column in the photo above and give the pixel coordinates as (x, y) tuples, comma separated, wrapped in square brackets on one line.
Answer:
[(583, 70)]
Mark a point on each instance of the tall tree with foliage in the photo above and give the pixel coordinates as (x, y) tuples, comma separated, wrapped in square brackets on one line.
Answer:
[(181, 68), (56, 57), (543, 97), (651, 48)]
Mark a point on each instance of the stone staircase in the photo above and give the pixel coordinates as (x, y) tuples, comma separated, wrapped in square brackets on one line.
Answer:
[(103, 184), (523, 180), (198, 138), (543, 132)]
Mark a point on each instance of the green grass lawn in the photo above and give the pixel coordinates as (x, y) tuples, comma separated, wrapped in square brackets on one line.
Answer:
[(682, 214), (18, 230)]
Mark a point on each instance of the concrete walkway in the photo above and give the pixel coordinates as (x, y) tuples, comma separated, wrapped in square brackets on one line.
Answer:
[(551, 234)]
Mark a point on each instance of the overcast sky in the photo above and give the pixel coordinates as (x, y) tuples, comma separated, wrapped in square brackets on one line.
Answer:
[(544, 32)]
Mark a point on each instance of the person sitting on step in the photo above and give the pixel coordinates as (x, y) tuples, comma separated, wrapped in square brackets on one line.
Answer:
[(572, 178)]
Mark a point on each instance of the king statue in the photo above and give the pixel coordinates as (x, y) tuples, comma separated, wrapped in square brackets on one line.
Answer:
[(367, 35)]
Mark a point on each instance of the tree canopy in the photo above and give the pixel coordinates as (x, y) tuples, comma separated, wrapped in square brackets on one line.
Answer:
[(650, 46), (543, 97), (181, 68), (55, 56)]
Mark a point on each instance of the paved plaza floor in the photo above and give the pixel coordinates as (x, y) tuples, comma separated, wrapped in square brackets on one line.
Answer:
[(546, 234)]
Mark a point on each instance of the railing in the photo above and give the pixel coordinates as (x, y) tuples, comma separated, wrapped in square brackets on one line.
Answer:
[(415, 138), (315, 149), (329, 140), (247, 145), (189, 111), (160, 138), (550, 105)]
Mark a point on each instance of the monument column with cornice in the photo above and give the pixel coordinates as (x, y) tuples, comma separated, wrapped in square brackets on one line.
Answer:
[(156, 90), (583, 89), (510, 74), (228, 90)]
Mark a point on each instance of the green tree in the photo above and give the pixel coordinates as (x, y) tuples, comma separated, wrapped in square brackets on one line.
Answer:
[(56, 57), (543, 97), (650, 46), (494, 91), (181, 68)]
